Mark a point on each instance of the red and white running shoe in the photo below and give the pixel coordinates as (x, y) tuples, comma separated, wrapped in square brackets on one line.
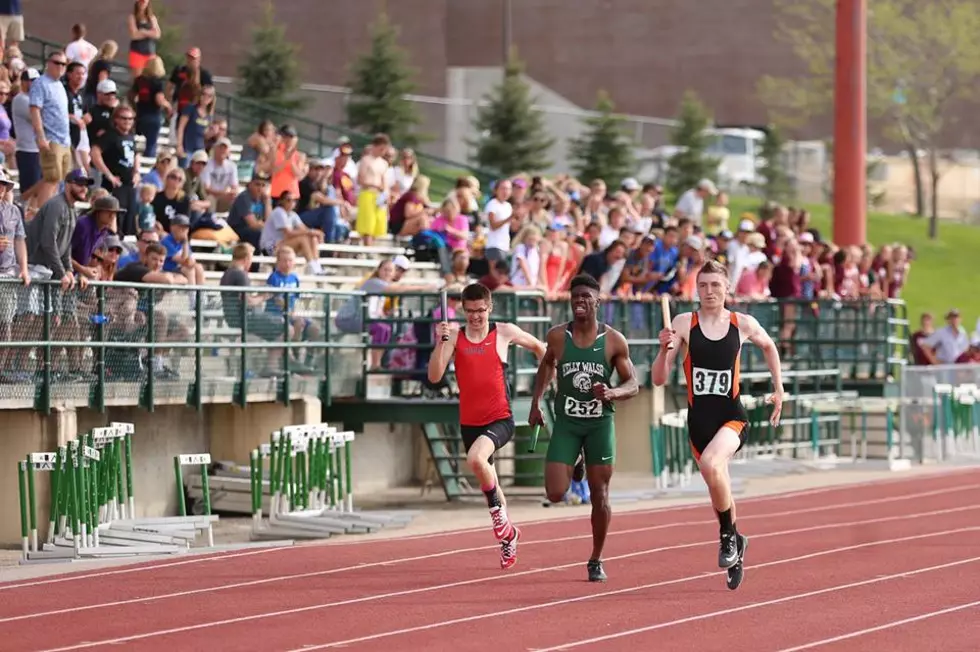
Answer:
[(508, 550), (502, 528)]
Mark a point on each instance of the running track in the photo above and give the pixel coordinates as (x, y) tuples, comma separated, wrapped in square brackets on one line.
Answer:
[(892, 565)]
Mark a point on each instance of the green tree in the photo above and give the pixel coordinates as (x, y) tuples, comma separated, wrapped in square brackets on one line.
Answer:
[(170, 46), (604, 150), (923, 58), (690, 164), (380, 80), (512, 137), (776, 184), (270, 74)]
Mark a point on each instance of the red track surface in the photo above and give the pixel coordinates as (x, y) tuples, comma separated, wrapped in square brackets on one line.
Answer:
[(887, 566)]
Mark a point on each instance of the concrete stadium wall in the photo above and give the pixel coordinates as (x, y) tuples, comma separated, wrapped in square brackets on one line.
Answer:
[(382, 455)]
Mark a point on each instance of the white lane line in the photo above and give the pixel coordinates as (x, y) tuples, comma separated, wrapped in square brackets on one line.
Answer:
[(149, 566), (879, 628), (446, 553), (557, 603), (506, 576)]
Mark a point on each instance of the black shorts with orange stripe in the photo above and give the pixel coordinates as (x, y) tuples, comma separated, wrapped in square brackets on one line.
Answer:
[(702, 430)]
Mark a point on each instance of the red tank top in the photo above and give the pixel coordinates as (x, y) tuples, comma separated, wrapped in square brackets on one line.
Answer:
[(483, 393)]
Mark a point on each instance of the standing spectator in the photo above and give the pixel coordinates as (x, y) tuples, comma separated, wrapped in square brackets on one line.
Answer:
[(144, 32), (99, 71), (926, 329), (186, 82), (80, 50), (942, 346), (691, 203), (27, 154), (151, 103), (13, 264), (409, 215), (11, 24), (193, 124), (49, 117), (7, 143), (74, 80), (289, 165), (499, 212), (372, 213), (404, 173), (49, 234), (526, 268), (114, 155)]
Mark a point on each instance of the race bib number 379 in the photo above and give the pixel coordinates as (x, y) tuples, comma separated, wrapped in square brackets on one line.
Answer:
[(583, 409), (711, 382)]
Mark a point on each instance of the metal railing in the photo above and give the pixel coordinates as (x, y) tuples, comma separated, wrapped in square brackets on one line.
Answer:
[(317, 139), (124, 343)]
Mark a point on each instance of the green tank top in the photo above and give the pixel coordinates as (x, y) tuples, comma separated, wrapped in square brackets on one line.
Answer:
[(578, 370)]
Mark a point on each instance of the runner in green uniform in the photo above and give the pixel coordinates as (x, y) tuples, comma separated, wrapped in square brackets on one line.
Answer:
[(584, 354)]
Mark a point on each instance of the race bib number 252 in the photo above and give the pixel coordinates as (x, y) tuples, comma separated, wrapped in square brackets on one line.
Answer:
[(711, 382), (583, 409)]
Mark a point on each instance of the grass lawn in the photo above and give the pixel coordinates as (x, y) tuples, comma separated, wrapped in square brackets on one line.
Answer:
[(943, 275)]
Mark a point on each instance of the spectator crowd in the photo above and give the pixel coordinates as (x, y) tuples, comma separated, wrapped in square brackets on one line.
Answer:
[(75, 139)]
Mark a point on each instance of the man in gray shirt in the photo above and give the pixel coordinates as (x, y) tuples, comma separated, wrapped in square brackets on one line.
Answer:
[(49, 233)]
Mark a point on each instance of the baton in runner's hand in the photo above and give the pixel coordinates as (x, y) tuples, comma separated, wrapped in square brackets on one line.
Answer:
[(444, 305), (534, 439), (665, 311)]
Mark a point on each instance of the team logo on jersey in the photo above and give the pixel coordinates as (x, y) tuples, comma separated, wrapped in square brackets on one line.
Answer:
[(582, 381)]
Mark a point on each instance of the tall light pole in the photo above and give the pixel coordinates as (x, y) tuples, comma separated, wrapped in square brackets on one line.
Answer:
[(507, 24), (850, 124)]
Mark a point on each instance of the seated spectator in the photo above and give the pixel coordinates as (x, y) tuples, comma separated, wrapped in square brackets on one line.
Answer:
[(302, 328), (146, 218), (179, 256), (220, 178), (168, 327), (319, 206), (458, 269), (171, 201), (142, 240), (452, 225), (606, 266), (259, 150), (163, 165), (285, 228), (250, 210)]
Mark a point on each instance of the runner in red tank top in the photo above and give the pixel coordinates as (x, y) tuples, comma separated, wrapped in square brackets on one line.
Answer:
[(485, 418)]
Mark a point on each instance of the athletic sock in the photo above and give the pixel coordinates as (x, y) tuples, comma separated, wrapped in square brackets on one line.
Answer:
[(493, 499), (725, 520)]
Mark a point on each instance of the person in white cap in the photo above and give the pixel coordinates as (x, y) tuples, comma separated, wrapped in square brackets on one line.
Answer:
[(691, 203), (26, 153), (220, 177)]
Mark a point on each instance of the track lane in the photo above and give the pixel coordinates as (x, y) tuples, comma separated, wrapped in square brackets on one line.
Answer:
[(409, 606)]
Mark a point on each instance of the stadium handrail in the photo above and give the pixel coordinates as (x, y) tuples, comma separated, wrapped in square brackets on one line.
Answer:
[(316, 138), (856, 337)]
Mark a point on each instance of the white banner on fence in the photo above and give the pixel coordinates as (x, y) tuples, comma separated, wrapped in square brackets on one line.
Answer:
[(922, 417)]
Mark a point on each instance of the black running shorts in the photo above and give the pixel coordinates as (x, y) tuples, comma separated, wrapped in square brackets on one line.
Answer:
[(499, 432)]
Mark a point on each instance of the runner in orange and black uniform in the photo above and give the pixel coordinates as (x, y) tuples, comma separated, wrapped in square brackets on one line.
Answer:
[(485, 416), (709, 341)]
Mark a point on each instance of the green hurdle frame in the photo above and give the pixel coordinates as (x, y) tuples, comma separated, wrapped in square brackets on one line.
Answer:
[(202, 460)]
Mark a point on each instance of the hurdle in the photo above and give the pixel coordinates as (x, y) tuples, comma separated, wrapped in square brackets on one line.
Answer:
[(310, 486), (92, 507)]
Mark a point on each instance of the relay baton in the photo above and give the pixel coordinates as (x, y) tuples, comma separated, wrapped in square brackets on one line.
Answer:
[(534, 439), (444, 305), (665, 310)]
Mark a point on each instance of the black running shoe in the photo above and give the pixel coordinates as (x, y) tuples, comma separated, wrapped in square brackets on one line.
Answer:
[(737, 572), (728, 551), (596, 574), (579, 473)]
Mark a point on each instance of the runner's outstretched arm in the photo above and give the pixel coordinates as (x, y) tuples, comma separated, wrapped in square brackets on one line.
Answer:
[(755, 333), (523, 339), (664, 362)]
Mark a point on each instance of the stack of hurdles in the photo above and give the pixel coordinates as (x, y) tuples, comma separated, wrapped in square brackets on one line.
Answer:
[(92, 509), (297, 486)]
